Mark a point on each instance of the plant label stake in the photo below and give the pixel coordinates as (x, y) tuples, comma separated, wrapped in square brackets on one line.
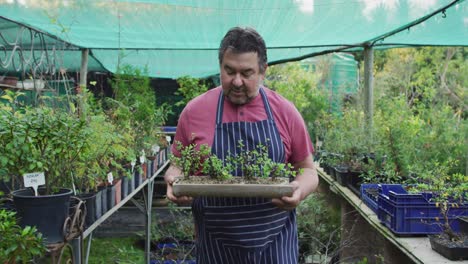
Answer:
[(155, 148), (34, 180), (142, 157), (110, 178), (168, 139), (133, 163)]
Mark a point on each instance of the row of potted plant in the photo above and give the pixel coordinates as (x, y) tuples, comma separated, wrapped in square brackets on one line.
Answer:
[(89, 145), (422, 148)]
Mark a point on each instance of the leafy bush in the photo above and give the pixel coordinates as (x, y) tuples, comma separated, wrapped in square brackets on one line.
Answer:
[(300, 87), (189, 88), (18, 245), (41, 139), (318, 227), (134, 107)]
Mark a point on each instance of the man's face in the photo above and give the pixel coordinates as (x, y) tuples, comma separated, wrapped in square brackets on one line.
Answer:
[(240, 76)]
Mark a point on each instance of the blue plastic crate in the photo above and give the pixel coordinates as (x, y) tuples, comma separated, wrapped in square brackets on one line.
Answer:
[(372, 201), (413, 214), (169, 129), (403, 197)]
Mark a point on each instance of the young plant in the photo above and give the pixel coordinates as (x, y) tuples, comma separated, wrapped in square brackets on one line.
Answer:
[(257, 164), (215, 168), (191, 159)]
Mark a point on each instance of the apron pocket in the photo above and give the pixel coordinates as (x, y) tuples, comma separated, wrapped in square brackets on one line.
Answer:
[(250, 227)]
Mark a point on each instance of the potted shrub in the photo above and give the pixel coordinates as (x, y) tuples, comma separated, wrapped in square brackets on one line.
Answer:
[(261, 176), (109, 150), (449, 193), (45, 140), (133, 108), (346, 138)]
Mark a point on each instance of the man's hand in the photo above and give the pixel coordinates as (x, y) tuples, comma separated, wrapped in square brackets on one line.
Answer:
[(304, 184), (170, 177), (289, 202)]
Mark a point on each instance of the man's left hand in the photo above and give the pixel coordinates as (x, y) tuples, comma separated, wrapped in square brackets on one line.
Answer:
[(289, 202)]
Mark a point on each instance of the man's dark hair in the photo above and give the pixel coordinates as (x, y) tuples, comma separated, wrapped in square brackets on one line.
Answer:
[(241, 40)]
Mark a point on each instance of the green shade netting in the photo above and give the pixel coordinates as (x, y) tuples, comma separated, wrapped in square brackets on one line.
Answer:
[(181, 37)]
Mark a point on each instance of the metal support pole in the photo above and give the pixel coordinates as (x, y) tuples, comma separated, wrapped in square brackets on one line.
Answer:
[(149, 204), (88, 247), (76, 248), (84, 68), (369, 88)]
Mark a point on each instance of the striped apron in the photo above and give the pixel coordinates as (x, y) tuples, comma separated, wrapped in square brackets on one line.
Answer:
[(245, 230)]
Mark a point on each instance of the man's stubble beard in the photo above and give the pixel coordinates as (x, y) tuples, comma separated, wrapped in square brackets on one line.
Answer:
[(244, 91)]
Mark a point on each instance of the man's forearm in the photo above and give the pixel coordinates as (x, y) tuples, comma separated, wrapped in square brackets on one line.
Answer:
[(308, 181)]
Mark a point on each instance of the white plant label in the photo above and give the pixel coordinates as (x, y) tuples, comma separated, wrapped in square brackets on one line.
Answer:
[(110, 177), (168, 139), (155, 148), (34, 180), (133, 163), (319, 143), (142, 157)]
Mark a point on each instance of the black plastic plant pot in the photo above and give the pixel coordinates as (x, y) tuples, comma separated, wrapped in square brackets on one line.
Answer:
[(46, 212), (124, 187), (448, 249), (98, 205), (90, 202), (103, 191), (110, 196), (341, 173)]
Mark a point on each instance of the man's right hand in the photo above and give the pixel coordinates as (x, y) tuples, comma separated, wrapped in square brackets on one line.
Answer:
[(170, 177)]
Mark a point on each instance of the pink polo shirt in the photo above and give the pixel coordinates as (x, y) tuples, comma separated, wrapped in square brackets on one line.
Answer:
[(198, 119)]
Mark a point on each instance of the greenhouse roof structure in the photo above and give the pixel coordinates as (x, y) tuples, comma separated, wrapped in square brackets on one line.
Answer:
[(173, 38)]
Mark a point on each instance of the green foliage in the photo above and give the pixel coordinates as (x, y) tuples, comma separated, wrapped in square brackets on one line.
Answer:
[(215, 168), (419, 117), (318, 227), (177, 226), (397, 130), (425, 76), (300, 87), (407, 138), (189, 88), (108, 150), (256, 163), (134, 107), (347, 139), (191, 158), (449, 190), (18, 245), (41, 139), (120, 250)]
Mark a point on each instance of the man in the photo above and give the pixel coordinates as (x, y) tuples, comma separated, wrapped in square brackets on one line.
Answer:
[(246, 230)]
